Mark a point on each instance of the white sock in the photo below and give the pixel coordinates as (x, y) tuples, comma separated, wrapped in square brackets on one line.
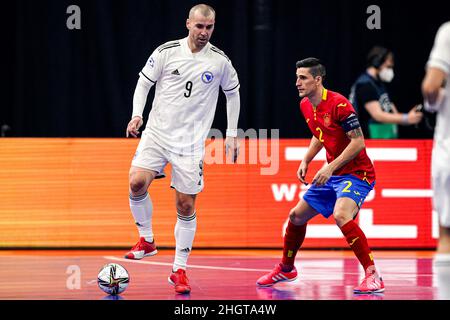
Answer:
[(142, 210), (184, 237)]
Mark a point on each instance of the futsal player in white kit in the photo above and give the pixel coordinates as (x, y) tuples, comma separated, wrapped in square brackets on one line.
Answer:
[(436, 92), (187, 74)]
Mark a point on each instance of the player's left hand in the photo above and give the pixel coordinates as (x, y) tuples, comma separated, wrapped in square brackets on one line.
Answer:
[(322, 176), (232, 147)]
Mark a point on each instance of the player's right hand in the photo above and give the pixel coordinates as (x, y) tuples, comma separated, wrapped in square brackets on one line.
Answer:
[(301, 172), (232, 147), (414, 116), (133, 126)]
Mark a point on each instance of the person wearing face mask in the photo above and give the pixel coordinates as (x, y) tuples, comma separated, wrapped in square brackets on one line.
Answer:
[(377, 113)]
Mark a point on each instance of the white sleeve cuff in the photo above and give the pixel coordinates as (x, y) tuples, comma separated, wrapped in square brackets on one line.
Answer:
[(439, 64)]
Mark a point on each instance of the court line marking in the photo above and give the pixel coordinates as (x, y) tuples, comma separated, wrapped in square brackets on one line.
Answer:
[(190, 266)]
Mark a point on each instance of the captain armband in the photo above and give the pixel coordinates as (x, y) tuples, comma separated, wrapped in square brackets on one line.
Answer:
[(350, 123)]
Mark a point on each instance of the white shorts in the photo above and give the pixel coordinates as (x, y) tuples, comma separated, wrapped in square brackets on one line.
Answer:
[(187, 170), (440, 173)]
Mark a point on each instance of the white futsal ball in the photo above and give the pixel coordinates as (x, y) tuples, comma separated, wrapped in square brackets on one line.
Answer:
[(113, 279)]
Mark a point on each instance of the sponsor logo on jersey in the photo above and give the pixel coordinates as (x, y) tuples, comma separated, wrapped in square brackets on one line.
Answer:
[(151, 62), (207, 77), (341, 105), (326, 119), (176, 72)]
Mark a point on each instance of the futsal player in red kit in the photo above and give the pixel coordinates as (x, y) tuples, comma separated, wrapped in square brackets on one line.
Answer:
[(338, 188)]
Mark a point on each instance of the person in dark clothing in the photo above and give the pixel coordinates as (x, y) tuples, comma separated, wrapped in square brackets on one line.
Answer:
[(377, 114)]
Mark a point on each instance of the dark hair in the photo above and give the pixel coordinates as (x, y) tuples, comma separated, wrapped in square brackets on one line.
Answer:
[(316, 68), (377, 56)]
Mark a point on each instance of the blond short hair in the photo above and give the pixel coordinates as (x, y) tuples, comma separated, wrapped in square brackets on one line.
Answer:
[(204, 9)]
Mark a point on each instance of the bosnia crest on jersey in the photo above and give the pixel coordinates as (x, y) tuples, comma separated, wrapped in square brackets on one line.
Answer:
[(207, 77)]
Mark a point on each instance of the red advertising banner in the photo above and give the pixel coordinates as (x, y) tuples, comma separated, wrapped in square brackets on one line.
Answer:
[(396, 214), (74, 193)]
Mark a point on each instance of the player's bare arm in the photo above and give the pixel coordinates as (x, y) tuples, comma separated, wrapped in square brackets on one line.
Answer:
[(355, 134), (355, 146), (314, 147)]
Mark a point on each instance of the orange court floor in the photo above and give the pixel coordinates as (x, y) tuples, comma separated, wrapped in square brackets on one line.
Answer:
[(215, 275)]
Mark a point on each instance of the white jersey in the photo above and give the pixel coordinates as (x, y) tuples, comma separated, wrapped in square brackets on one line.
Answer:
[(187, 89), (440, 168), (440, 58)]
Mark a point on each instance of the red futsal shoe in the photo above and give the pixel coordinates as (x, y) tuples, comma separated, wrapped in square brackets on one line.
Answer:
[(142, 249), (180, 280), (372, 283), (277, 275)]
